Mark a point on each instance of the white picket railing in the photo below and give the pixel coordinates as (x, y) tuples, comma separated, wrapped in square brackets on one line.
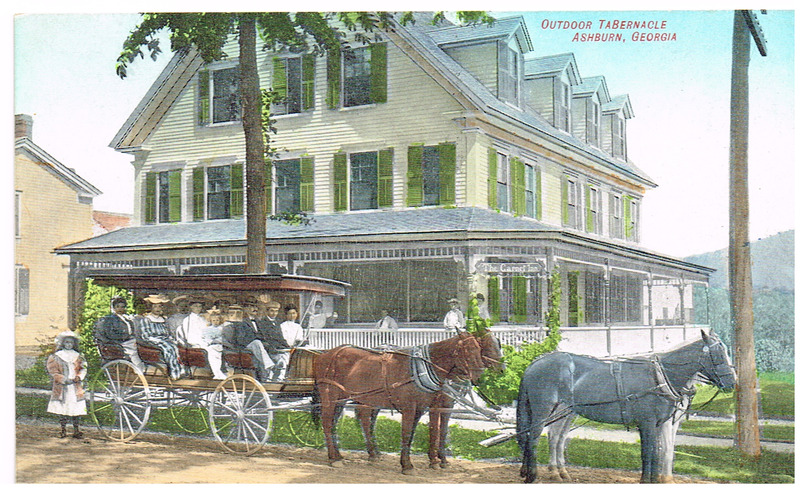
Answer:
[(328, 338)]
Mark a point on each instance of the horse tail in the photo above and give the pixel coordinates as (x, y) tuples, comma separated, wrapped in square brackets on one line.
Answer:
[(523, 416)]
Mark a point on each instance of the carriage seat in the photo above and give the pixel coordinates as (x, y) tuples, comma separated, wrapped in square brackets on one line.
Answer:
[(110, 351)]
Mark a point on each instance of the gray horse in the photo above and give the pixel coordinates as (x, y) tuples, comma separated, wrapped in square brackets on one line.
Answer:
[(637, 391)]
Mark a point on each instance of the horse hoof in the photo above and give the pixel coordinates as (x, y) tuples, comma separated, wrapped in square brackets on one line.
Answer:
[(564, 475), (336, 463), (443, 464), (408, 471), (375, 457)]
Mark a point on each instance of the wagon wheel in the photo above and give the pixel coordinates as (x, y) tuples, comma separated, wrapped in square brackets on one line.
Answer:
[(189, 410), (305, 429), (119, 400), (240, 414)]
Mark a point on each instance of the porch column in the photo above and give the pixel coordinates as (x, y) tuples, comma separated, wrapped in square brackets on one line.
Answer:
[(681, 291), (74, 295), (650, 310)]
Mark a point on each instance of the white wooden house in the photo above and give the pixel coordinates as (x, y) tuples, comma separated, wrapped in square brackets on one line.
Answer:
[(437, 162)]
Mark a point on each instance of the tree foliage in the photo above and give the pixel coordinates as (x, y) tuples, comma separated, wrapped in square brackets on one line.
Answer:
[(97, 303), (502, 387)]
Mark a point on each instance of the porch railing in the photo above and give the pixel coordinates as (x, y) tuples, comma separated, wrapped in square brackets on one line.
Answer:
[(590, 340)]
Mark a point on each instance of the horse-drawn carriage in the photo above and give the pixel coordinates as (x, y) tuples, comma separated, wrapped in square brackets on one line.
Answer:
[(239, 410)]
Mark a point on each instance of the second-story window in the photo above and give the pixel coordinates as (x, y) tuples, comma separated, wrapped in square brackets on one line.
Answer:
[(219, 96), (593, 223), (363, 180), (502, 182), (162, 197), (287, 185), (357, 77), (293, 80), (17, 212), (531, 179), (431, 175), (570, 202), (616, 216)]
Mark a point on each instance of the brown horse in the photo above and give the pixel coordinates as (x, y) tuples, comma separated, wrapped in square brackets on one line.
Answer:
[(377, 380), (442, 405)]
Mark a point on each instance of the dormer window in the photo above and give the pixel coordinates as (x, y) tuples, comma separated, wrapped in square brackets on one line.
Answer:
[(508, 73), (562, 97), (593, 123), (618, 147)]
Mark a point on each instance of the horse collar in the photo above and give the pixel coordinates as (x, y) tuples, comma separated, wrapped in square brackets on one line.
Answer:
[(664, 384)]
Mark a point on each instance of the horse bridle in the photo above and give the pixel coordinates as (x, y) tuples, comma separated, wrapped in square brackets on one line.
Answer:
[(461, 353), (708, 348)]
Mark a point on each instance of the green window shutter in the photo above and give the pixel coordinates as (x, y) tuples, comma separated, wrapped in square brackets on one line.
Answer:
[(175, 195), (237, 191), (203, 102), (279, 77), (447, 174), (494, 297), (538, 193), (268, 185), (308, 62), (564, 201), (626, 212), (491, 181), (334, 69), (307, 184), (517, 186), (198, 193), (385, 178), (414, 176), (589, 216), (519, 299), (378, 76), (340, 199), (150, 198)]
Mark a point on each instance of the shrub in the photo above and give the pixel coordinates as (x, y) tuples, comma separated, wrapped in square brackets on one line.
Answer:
[(96, 304), (502, 387)]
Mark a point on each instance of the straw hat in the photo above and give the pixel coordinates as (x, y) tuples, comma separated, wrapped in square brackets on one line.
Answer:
[(63, 336), (454, 301), (273, 305), (157, 299)]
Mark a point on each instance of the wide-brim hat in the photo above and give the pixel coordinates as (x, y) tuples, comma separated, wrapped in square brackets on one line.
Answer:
[(454, 301), (273, 305), (157, 299), (214, 310), (64, 335)]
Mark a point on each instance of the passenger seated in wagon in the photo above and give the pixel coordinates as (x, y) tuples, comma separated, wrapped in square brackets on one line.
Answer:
[(197, 332), (117, 329), (242, 334), (152, 330)]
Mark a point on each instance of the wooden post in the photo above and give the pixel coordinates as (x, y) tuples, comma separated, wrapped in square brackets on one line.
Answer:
[(741, 288)]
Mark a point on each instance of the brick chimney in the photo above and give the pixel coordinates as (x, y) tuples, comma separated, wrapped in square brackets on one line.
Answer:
[(23, 126)]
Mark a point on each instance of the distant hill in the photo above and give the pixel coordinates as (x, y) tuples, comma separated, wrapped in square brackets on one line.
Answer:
[(773, 263)]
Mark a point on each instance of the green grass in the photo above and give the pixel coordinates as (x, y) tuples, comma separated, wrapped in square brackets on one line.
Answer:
[(777, 397), (700, 461), (705, 428)]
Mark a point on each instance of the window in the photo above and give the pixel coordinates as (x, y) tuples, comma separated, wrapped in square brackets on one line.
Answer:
[(593, 122), (502, 182), (431, 175), (562, 98), (21, 290), (357, 77), (618, 137), (287, 186), (625, 299), (219, 96), (218, 192), (594, 298), (570, 202), (363, 181), (532, 205), (593, 223), (508, 73), (293, 80), (631, 215), (616, 216), (17, 212), (162, 197)]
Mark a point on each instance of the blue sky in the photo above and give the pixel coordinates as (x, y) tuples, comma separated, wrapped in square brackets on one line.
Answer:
[(680, 90)]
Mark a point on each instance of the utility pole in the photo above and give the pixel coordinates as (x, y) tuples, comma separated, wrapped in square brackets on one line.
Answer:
[(745, 25)]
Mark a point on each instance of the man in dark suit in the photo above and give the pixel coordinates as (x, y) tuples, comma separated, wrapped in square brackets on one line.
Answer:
[(117, 329), (245, 335), (272, 336)]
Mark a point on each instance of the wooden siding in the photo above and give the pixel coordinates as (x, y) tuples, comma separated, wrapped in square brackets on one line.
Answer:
[(480, 60), (50, 216), (539, 96)]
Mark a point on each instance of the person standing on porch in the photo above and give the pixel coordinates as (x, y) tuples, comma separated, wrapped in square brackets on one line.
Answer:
[(454, 319), (386, 323)]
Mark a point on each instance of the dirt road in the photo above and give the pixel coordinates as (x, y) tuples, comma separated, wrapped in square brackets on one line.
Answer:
[(154, 458)]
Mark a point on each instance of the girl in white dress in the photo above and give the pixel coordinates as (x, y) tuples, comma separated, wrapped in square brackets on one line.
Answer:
[(67, 368)]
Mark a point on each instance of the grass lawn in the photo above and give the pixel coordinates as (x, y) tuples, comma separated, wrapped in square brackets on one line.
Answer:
[(701, 461), (777, 397)]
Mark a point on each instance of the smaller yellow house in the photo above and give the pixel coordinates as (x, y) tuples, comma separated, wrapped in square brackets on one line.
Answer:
[(52, 207)]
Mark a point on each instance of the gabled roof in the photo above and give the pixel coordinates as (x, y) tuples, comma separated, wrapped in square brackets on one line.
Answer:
[(62, 172), (184, 65), (553, 64), (617, 104), (590, 85), (501, 29)]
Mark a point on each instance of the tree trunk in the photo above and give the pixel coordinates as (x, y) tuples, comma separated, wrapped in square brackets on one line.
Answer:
[(741, 287), (256, 254)]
